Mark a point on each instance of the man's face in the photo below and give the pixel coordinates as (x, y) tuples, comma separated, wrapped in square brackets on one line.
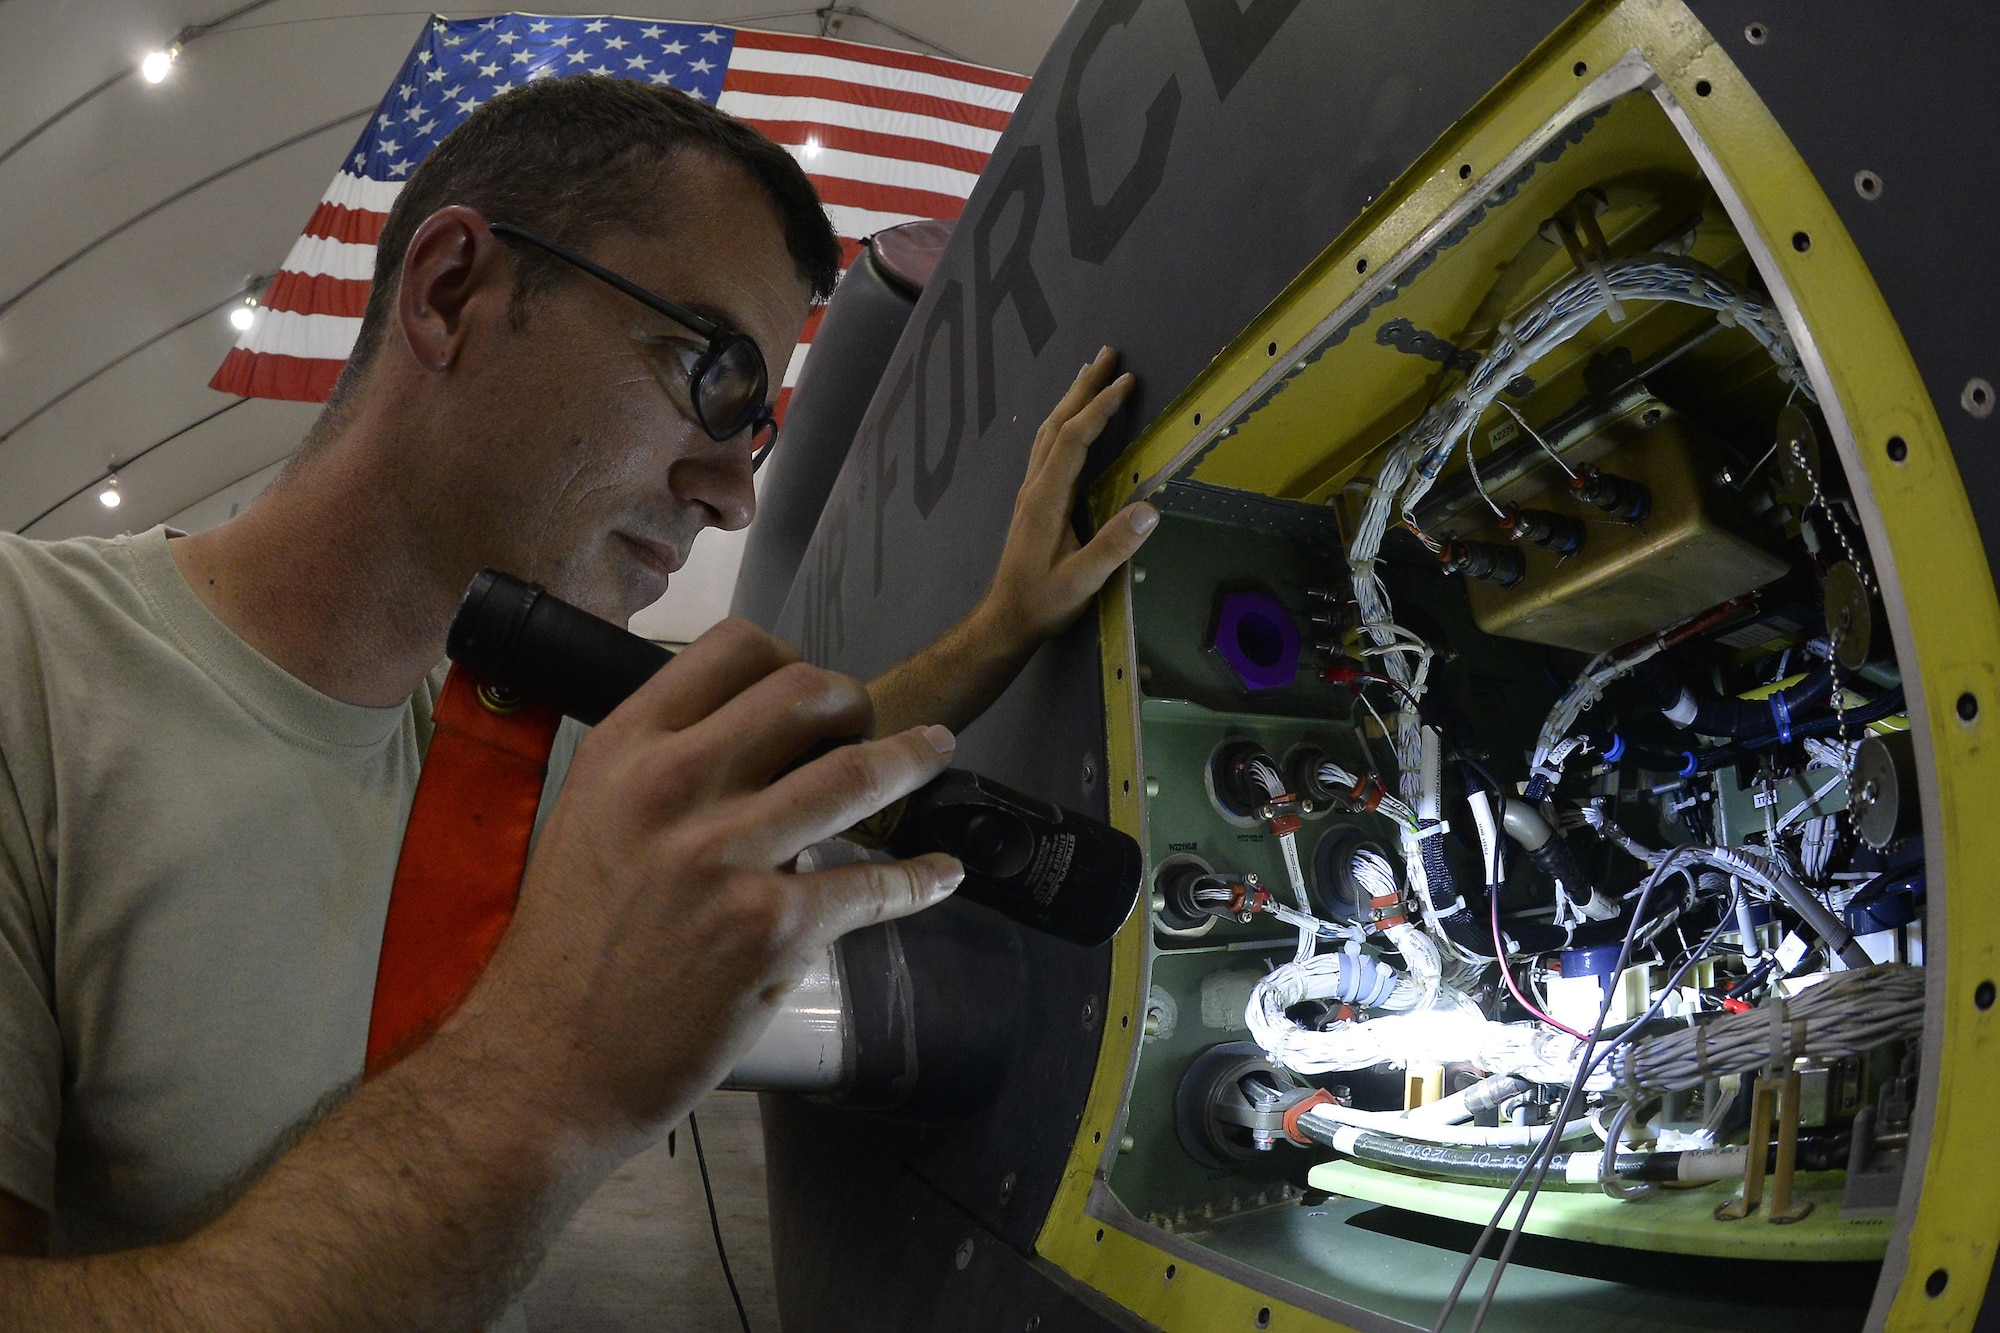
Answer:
[(592, 474)]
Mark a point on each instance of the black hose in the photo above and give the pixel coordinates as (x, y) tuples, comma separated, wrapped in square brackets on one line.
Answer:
[(1474, 1166), (1888, 705), (1709, 714)]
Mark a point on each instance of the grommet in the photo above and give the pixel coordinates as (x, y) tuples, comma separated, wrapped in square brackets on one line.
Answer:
[(1756, 34), (1868, 185), (500, 700)]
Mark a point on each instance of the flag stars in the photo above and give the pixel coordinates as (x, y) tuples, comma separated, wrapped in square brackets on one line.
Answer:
[(507, 38), (700, 66), (383, 121), (469, 105), (544, 72), (563, 40), (360, 161), (711, 36), (673, 48), (454, 41), (595, 25), (399, 168), (405, 91), (541, 25), (388, 147), (578, 57), (415, 113), (488, 25), (423, 57), (601, 69), (697, 94), (428, 128), (524, 57), (652, 32), (614, 43), (636, 62), (490, 71), (435, 75), (661, 76), (453, 91)]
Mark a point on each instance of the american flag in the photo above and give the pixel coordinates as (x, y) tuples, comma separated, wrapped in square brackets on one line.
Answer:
[(886, 136)]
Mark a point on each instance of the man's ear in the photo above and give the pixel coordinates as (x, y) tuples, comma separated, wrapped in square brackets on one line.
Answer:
[(453, 263)]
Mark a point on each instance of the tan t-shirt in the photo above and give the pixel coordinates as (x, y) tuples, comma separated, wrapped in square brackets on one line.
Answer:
[(196, 850)]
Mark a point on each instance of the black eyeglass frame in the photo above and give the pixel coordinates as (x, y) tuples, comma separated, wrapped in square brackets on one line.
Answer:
[(720, 340)]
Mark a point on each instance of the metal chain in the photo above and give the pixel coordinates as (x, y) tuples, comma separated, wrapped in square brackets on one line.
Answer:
[(1833, 634)]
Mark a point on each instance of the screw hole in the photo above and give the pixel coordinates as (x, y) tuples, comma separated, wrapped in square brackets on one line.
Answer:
[(1579, 69), (1801, 242), (1702, 88), (1361, 266), (1868, 185), (1465, 171), (1264, 1317), (1755, 34), (1977, 398), (1100, 1235), (1898, 450), (1121, 673), (1171, 1270), (1097, 1136), (1270, 349), (1968, 706), (1135, 479), (1197, 418), (1934, 1285), (1125, 1020), (1127, 784), (1982, 998)]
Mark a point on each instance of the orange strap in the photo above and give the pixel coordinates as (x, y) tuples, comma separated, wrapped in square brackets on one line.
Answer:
[(464, 851)]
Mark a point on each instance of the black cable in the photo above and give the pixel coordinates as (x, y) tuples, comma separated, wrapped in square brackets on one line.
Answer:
[(715, 1223)]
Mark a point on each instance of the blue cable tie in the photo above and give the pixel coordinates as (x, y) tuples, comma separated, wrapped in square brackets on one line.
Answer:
[(1781, 713), (1616, 750), (1689, 767)]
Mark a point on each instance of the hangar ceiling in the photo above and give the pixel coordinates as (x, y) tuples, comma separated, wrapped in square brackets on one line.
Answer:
[(138, 214)]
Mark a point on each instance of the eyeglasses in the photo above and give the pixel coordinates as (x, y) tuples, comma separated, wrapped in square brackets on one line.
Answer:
[(726, 383)]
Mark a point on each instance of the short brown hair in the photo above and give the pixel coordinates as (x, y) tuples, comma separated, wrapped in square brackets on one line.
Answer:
[(570, 158)]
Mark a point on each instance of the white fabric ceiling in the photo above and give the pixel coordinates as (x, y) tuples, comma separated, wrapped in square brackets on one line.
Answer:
[(137, 217)]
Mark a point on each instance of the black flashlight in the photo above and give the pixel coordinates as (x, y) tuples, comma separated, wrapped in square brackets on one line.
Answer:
[(1046, 867)]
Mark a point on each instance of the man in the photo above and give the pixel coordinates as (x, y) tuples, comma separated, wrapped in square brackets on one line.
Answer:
[(208, 746)]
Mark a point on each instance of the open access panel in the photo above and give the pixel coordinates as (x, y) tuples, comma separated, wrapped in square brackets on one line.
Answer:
[(1516, 707)]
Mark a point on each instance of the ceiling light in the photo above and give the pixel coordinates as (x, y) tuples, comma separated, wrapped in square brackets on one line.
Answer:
[(109, 496), (156, 64), (812, 147), (243, 316)]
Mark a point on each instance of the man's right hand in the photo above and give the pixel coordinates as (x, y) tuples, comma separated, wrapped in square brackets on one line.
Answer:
[(657, 925)]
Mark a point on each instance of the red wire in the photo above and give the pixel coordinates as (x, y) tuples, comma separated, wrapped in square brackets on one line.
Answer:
[(1507, 974)]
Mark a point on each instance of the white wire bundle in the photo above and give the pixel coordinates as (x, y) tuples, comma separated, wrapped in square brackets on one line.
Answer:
[(1850, 1013), (1333, 775), (1421, 452)]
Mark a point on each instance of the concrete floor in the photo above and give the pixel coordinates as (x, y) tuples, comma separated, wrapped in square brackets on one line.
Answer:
[(639, 1254)]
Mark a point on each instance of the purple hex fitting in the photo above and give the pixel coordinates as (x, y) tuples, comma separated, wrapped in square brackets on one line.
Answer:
[(1256, 637)]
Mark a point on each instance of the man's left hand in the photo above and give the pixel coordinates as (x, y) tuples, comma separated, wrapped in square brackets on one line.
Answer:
[(1046, 576)]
